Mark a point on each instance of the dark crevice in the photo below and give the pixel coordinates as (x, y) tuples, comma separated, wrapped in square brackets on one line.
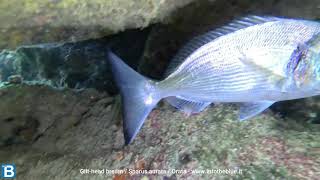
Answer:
[(76, 65), (10, 119)]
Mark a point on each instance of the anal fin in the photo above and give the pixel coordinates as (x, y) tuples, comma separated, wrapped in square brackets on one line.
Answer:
[(187, 106), (251, 109)]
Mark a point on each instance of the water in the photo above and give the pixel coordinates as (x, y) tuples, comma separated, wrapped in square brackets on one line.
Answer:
[(60, 114)]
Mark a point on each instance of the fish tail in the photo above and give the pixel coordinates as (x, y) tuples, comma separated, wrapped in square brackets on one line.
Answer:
[(138, 96)]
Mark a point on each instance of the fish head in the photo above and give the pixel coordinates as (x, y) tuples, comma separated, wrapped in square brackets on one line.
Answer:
[(307, 68), (307, 75), (315, 69)]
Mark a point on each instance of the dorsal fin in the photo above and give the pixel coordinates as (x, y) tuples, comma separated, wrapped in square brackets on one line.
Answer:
[(203, 39)]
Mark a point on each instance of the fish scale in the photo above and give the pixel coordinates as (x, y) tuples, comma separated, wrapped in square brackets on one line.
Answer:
[(253, 61)]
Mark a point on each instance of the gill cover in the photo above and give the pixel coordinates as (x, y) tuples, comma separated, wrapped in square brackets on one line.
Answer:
[(136, 96)]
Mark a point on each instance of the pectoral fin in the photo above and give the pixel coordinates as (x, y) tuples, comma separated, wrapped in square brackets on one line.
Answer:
[(268, 60), (251, 109)]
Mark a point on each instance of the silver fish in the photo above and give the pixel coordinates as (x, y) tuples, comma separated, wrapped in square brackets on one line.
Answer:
[(254, 61)]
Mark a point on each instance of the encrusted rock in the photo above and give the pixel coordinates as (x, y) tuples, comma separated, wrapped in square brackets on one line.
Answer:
[(25, 22), (15, 79)]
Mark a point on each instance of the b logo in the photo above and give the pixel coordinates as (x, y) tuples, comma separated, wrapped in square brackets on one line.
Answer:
[(8, 171)]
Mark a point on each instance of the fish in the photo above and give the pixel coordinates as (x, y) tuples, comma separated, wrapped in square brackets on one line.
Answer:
[(253, 61)]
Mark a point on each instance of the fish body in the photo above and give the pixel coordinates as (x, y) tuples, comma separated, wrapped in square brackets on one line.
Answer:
[(254, 61)]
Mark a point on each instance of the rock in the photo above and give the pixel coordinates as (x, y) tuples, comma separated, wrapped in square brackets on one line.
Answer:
[(68, 131), (29, 112), (31, 22), (15, 79), (76, 65)]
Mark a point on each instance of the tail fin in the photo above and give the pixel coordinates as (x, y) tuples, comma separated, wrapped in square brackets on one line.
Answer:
[(137, 94)]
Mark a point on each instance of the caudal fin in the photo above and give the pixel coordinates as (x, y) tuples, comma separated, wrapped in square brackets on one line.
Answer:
[(137, 94)]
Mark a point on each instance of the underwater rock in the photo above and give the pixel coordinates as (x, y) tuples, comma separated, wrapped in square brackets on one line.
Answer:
[(31, 22), (75, 65), (29, 112), (54, 134), (15, 79)]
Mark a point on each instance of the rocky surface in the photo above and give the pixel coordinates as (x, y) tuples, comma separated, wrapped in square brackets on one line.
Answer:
[(58, 111), (74, 65), (53, 134), (28, 22)]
